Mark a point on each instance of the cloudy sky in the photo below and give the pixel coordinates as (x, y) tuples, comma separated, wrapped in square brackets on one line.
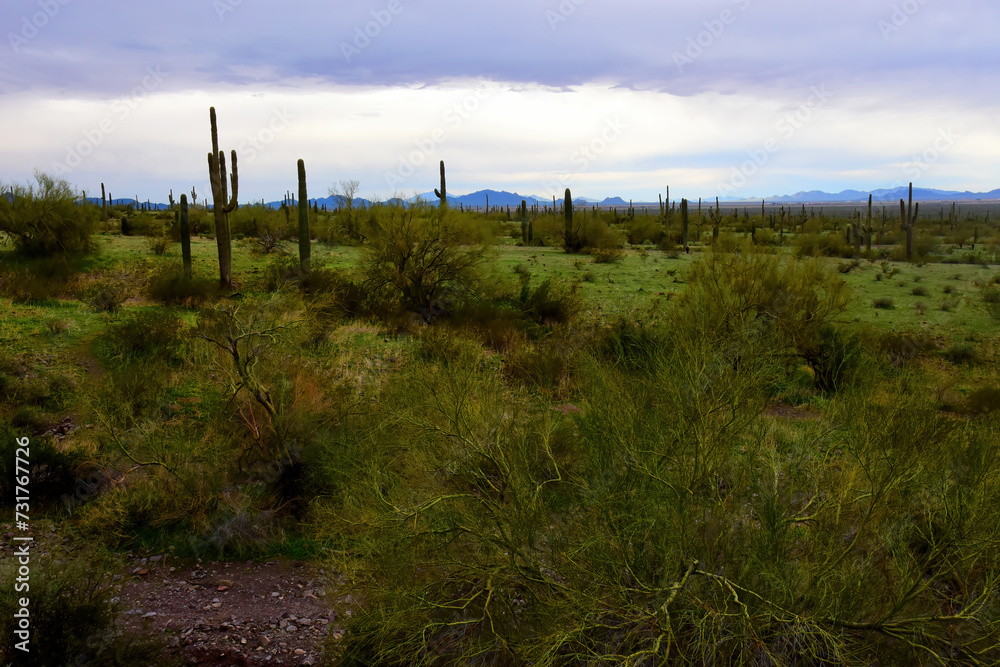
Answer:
[(724, 97)]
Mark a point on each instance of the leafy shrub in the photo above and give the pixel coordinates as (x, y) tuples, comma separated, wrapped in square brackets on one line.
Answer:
[(963, 353), (412, 255), (46, 220), (949, 305), (107, 297), (983, 400), (834, 359), (883, 303), (169, 286), (847, 267), (159, 245), (631, 343), (551, 302), (948, 289), (146, 333), (607, 255), (919, 290)]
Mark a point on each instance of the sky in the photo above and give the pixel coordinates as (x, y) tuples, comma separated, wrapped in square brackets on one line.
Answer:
[(738, 98)]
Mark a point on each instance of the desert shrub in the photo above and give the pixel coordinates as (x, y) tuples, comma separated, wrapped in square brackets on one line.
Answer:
[(146, 333), (106, 297), (948, 289), (158, 245), (983, 400), (38, 279), (919, 290), (607, 255), (834, 359), (45, 220), (757, 290), (963, 353), (847, 267), (631, 343), (643, 229), (552, 302), (414, 255), (821, 245), (950, 304), (169, 286), (883, 303), (73, 614), (52, 469)]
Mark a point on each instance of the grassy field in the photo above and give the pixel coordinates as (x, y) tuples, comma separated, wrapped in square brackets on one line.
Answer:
[(727, 456)]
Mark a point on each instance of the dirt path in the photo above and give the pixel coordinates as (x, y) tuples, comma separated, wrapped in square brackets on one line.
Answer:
[(210, 613)]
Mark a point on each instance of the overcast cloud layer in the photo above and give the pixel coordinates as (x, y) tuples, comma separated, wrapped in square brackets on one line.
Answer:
[(734, 97)]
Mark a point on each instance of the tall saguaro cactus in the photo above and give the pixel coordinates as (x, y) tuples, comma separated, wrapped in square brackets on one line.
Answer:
[(222, 203), (104, 204), (304, 247), (185, 236), (684, 224), (868, 226), (907, 219), (442, 194), (523, 213), (570, 242)]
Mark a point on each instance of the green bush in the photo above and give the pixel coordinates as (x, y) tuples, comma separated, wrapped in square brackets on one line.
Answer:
[(883, 303), (169, 286), (146, 333), (413, 255), (46, 220), (107, 297), (834, 359), (963, 353)]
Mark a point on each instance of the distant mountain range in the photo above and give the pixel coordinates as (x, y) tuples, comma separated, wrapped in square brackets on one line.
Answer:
[(891, 195), (512, 199)]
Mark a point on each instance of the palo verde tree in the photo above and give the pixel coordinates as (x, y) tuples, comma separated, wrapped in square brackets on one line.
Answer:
[(412, 256), (45, 219)]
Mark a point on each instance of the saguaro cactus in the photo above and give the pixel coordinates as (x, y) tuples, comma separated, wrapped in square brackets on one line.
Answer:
[(104, 204), (442, 194), (684, 224), (171, 199), (570, 236), (304, 247), (907, 218), (868, 227), (523, 213), (222, 204), (716, 216), (185, 237)]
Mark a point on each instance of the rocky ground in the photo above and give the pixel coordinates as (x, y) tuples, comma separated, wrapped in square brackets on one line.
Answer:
[(277, 612)]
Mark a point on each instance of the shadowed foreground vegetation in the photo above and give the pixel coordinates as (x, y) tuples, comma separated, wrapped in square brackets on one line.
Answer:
[(732, 461)]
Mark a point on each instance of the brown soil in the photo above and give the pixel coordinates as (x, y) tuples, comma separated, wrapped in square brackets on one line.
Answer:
[(277, 612)]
